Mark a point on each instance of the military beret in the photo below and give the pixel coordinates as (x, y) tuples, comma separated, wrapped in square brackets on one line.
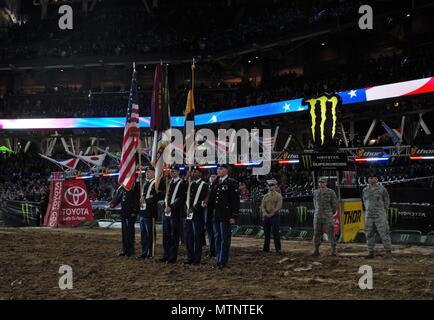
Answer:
[(175, 167)]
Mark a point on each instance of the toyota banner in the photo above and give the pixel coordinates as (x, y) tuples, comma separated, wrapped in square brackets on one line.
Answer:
[(69, 204)]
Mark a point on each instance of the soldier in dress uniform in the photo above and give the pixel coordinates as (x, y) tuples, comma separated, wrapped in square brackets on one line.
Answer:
[(326, 203), (195, 219), (376, 200), (173, 212), (209, 219), (130, 206), (225, 202), (148, 214)]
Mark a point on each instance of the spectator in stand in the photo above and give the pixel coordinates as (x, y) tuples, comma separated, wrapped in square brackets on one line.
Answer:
[(244, 192)]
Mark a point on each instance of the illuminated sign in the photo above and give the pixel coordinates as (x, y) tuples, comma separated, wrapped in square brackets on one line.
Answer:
[(362, 95), (323, 116)]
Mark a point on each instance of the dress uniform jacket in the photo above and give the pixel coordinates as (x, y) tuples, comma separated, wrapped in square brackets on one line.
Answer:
[(225, 200), (176, 197), (130, 201), (150, 208), (198, 193)]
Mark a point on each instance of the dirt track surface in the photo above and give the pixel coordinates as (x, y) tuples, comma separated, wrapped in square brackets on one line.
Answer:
[(30, 261)]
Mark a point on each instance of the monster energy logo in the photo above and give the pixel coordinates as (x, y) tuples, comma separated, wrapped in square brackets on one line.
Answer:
[(393, 215), (303, 234), (322, 101), (26, 210), (108, 215), (404, 237), (307, 160), (302, 214)]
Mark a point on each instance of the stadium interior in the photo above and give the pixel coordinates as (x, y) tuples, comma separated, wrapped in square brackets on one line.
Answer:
[(247, 54)]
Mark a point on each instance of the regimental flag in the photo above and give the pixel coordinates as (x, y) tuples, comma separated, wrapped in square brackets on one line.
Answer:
[(189, 122), (128, 165), (96, 160), (160, 120), (69, 163)]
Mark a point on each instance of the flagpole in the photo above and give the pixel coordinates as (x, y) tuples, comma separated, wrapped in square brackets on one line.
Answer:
[(139, 144), (189, 166)]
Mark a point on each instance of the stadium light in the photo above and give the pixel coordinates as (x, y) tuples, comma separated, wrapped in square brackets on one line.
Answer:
[(422, 158), (247, 164), (288, 161), (373, 159)]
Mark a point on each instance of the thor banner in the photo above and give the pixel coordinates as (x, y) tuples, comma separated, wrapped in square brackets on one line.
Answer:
[(352, 219)]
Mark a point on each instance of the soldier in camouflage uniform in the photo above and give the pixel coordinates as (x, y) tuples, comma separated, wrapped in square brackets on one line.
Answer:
[(325, 202), (376, 200)]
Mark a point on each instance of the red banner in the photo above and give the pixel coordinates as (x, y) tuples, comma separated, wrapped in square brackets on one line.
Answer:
[(69, 204), (54, 204)]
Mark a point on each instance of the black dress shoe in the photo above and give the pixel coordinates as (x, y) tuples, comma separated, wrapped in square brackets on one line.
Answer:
[(121, 254), (222, 266), (142, 256), (188, 262), (197, 263), (315, 254), (163, 260), (171, 261)]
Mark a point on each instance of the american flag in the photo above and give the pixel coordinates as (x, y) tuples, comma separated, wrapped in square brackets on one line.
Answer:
[(127, 168)]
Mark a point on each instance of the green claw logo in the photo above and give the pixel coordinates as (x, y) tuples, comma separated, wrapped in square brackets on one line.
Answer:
[(307, 161), (302, 214), (303, 234), (322, 101), (393, 215), (26, 210), (108, 216), (405, 237)]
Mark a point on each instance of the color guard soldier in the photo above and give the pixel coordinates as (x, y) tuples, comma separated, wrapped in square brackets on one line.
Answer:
[(209, 218), (130, 206), (173, 212), (195, 220), (225, 202), (148, 214)]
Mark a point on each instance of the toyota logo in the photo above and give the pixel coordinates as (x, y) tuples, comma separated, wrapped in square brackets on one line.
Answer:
[(75, 196), (53, 219)]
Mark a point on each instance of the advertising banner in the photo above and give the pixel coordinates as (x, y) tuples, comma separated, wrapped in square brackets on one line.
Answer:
[(69, 204), (21, 213), (352, 219), (54, 204), (323, 161), (406, 216)]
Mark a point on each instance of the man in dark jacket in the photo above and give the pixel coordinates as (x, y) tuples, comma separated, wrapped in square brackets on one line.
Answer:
[(225, 202), (148, 214), (130, 206), (175, 203), (195, 220)]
